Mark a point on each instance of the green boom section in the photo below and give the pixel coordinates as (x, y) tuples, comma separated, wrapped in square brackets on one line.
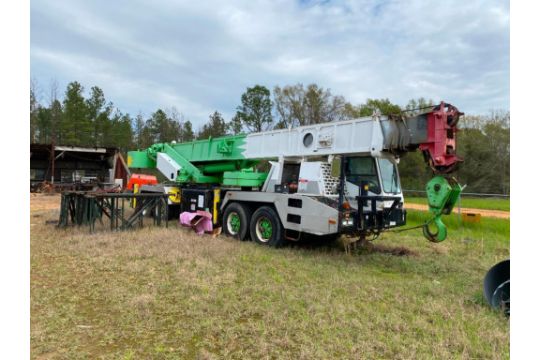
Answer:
[(211, 161)]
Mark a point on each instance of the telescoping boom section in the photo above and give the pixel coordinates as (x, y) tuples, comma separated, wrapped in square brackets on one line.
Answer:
[(322, 179)]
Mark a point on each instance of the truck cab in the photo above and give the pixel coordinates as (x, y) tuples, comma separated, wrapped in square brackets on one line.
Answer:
[(374, 192)]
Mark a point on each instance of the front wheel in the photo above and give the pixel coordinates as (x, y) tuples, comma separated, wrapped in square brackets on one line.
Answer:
[(266, 228)]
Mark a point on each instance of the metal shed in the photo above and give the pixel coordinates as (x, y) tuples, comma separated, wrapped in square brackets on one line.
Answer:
[(76, 167)]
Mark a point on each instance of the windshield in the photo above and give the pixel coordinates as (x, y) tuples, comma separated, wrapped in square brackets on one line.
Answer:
[(360, 169), (389, 176)]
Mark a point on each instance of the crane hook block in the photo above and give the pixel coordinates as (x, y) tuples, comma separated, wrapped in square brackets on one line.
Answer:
[(442, 195)]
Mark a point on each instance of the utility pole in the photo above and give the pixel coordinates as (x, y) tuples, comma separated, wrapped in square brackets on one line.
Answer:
[(54, 118), (53, 145)]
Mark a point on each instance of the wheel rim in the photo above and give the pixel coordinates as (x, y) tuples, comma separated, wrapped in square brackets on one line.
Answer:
[(233, 223), (264, 229)]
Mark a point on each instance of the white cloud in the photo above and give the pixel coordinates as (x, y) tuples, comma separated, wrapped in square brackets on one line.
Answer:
[(105, 72), (200, 56)]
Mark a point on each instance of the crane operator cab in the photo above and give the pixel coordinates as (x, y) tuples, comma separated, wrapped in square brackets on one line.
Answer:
[(380, 175), (373, 194)]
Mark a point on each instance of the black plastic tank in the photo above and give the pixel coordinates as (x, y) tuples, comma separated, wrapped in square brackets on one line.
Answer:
[(497, 286)]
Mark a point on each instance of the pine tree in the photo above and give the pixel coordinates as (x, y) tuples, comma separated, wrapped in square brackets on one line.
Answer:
[(162, 128), (215, 127), (75, 127), (95, 105), (187, 132), (138, 133), (124, 133)]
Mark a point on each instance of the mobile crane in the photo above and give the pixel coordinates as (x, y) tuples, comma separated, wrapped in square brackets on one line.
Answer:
[(324, 179)]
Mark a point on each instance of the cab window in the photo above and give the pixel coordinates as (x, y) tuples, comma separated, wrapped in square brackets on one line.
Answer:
[(361, 169), (389, 176)]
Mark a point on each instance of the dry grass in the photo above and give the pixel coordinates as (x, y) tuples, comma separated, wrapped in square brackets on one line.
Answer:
[(167, 293), (44, 202)]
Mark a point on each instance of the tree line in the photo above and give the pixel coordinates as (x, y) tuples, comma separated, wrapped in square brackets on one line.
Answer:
[(91, 120)]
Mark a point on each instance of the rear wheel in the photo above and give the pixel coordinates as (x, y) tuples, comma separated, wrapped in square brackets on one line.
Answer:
[(266, 228), (236, 221)]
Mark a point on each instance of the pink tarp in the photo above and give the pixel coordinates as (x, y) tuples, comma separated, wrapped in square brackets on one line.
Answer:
[(200, 221)]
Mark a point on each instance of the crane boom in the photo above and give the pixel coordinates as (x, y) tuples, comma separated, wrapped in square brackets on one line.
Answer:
[(199, 161)]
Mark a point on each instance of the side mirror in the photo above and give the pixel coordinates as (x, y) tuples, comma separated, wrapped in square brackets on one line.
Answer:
[(374, 188), (370, 186), (335, 168)]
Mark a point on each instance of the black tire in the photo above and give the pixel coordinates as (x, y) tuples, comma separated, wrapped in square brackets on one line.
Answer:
[(263, 219), (242, 213)]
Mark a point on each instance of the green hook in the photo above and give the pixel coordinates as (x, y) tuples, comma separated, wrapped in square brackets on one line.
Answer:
[(442, 195), (438, 236)]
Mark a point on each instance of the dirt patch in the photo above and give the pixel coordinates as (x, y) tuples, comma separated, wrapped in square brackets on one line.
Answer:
[(44, 202), (392, 250), (483, 212)]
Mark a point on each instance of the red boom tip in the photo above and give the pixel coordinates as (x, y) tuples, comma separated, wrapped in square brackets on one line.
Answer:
[(440, 146)]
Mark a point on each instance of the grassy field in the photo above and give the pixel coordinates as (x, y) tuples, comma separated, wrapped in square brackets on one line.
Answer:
[(473, 203), (167, 293)]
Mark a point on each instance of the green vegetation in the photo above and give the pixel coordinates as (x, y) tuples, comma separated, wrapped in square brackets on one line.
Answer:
[(469, 202), (255, 113), (167, 293)]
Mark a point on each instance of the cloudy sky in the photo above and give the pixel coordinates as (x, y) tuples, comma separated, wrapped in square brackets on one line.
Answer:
[(199, 56)]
